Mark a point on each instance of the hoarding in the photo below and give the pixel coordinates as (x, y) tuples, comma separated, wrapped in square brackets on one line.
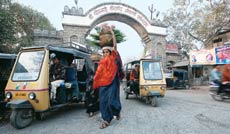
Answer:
[(217, 55), (202, 57), (222, 54)]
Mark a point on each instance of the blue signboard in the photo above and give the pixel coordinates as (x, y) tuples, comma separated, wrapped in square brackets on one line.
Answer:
[(222, 54)]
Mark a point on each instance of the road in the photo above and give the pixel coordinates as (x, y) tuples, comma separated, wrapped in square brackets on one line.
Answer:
[(179, 112)]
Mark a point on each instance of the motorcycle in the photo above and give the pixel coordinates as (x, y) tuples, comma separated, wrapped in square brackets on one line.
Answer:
[(225, 94)]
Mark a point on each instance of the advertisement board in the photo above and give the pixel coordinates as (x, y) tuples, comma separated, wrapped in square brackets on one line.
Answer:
[(222, 54), (202, 57), (217, 55)]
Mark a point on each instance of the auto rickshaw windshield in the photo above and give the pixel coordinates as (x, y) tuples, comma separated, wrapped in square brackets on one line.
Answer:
[(152, 70), (28, 66)]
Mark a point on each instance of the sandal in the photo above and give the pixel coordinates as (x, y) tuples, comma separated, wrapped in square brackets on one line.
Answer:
[(104, 125), (118, 117), (91, 114)]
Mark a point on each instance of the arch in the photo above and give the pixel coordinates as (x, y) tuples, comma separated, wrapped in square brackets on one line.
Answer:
[(82, 24), (115, 10), (141, 31)]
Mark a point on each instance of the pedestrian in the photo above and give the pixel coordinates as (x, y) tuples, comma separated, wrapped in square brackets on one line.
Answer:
[(92, 97), (107, 81)]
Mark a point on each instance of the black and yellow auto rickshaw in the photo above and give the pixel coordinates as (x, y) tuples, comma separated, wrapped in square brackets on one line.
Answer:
[(6, 64), (152, 83), (180, 79), (28, 88)]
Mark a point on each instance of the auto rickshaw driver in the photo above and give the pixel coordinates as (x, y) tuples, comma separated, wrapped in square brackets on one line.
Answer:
[(57, 75), (134, 79)]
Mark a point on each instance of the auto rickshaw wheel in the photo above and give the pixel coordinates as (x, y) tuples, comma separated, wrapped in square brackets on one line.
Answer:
[(21, 118), (126, 95), (154, 101), (40, 116), (147, 100)]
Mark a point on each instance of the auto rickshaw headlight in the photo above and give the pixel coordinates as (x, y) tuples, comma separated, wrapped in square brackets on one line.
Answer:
[(9, 95), (163, 88), (32, 96)]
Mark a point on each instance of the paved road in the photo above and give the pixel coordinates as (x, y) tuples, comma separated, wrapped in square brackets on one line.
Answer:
[(179, 112)]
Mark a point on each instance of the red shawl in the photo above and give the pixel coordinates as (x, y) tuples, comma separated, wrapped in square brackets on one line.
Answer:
[(226, 73), (106, 71)]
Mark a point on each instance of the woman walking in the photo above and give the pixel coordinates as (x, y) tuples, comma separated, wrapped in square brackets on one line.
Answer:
[(106, 80)]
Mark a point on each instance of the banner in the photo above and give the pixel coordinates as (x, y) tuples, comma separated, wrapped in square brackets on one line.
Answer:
[(222, 54), (202, 57)]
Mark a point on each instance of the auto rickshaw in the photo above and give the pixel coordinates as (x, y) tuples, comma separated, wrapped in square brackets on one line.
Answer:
[(6, 64), (180, 79), (28, 89), (152, 83)]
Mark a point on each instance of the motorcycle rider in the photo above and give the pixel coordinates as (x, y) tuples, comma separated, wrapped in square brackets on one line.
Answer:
[(216, 77), (226, 77)]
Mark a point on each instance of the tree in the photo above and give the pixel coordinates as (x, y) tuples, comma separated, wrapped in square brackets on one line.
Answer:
[(17, 24), (179, 21), (214, 17), (196, 22), (7, 26), (27, 20)]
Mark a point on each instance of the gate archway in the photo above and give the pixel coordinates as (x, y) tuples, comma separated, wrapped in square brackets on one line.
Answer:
[(80, 25)]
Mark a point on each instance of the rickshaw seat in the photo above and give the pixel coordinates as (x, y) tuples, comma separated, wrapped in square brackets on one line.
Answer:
[(70, 74), (71, 81)]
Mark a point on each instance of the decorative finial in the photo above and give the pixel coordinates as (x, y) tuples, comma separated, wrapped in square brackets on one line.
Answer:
[(152, 10), (76, 2)]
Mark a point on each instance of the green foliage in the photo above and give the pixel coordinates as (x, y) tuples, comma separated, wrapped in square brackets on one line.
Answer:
[(7, 26), (28, 20), (17, 24), (120, 37)]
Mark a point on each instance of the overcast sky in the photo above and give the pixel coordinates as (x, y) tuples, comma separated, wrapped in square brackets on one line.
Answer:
[(132, 47)]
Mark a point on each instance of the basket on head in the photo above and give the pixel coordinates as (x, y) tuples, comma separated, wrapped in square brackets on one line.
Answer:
[(105, 36), (105, 39)]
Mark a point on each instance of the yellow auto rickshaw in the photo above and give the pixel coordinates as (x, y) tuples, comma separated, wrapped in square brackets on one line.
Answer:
[(6, 64), (28, 89), (152, 83)]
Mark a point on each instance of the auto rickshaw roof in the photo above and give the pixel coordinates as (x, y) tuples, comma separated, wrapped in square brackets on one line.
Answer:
[(142, 59), (150, 59), (180, 70), (7, 56), (65, 49), (133, 62)]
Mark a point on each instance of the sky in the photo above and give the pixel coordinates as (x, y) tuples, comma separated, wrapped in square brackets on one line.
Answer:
[(132, 47)]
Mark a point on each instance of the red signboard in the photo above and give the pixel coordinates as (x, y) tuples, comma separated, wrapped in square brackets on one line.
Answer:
[(171, 48)]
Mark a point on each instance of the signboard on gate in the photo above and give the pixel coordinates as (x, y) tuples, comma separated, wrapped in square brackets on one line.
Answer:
[(171, 48)]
